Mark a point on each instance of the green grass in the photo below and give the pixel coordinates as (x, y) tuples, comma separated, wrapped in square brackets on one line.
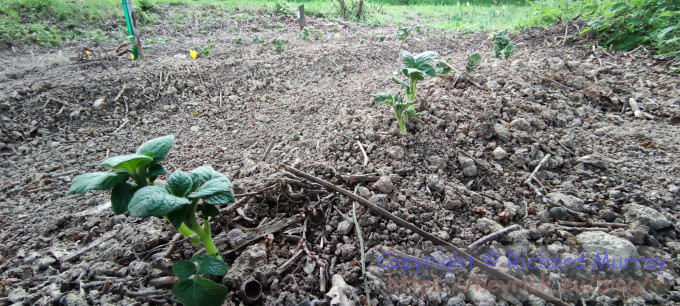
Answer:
[(52, 22)]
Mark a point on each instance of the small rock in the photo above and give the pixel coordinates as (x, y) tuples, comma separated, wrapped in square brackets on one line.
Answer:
[(568, 201), (434, 183), (392, 227), (645, 215), (74, 114), (487, 225), (615, 194), (599, 242), (45, 262), (502, 132), (17, 295), (468, 165), (342, 114), (221, 124), (521, 124), (436, 162), (609, 215), (194, 128), (499, 153), (600, 132), (595, 161), (246, 264), (481, 296), (559, 213), (396, 153), (345, 227), (235, 236), (384, 185), (99, 103)]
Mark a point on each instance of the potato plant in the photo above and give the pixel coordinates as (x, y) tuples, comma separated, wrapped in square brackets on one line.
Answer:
[(502, 46), (184, 199), (472, 60), (400, 108), (415, 68)]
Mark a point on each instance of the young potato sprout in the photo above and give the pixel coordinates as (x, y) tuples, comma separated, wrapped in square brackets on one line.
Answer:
[(400, 108), (502, 46), (415, 68), (184, 197)]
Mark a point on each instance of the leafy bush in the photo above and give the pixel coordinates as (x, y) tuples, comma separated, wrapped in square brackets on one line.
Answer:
[(621, 25), (183, 197), (304, 34), (146, 5)]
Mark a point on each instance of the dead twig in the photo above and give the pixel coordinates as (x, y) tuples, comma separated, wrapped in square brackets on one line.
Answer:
[(593, 224), (482, 266), (485, 167), (545, 199), (363, 152), (360, 178), (582, 229), (493, 236)]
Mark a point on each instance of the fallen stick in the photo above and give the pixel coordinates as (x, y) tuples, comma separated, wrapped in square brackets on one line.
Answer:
[(493, 236), (582, 229), (538, 168), (545, 199), (592, 224), (360, 178), (482, 266), (363, 152)]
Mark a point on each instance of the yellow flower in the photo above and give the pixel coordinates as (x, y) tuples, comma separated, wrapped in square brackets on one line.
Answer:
[(498, 12), (132, 56), (491, 35), (87, 52), (193, 54), (337, 34)]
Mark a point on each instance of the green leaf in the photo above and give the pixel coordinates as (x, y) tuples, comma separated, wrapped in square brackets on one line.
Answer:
[(154, 201), (121, 196), (158, 146), (383, 98), (475, 57), (424, 58), (409, 61), (212, 187), (96, 181), (183, 269), (401, 82), (128, 163), (177, 216), (427, 69), (220, 199), (413, 73), (209, 210), (179, 183), (210, 265), (203, 174), (156, 170), (199, 292)]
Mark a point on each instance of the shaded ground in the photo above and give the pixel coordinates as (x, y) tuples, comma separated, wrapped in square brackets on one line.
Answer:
[(313, 103)]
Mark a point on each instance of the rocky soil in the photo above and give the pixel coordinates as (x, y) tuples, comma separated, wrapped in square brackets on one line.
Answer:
[(459, 174)]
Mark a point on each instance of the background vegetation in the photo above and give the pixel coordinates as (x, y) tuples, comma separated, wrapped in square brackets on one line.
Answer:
[(620, 24)]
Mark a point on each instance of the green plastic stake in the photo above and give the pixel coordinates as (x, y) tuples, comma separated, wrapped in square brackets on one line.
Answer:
[(127, 4)]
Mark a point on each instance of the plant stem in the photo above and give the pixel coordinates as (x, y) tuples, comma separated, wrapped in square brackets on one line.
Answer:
[(186, 232), (400, 121), (203, 233)]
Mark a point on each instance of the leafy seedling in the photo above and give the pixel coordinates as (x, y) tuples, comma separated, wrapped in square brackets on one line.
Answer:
[(279, 44), (205, 51), (239, 40), (415, 68), (192, 289), (185, 197), (472, 60), (502, 46), (304, 34), (400, 108), (403, 33), (380, 38)]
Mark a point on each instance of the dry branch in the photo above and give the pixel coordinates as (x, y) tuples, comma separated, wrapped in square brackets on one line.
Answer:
[(493, 236)]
